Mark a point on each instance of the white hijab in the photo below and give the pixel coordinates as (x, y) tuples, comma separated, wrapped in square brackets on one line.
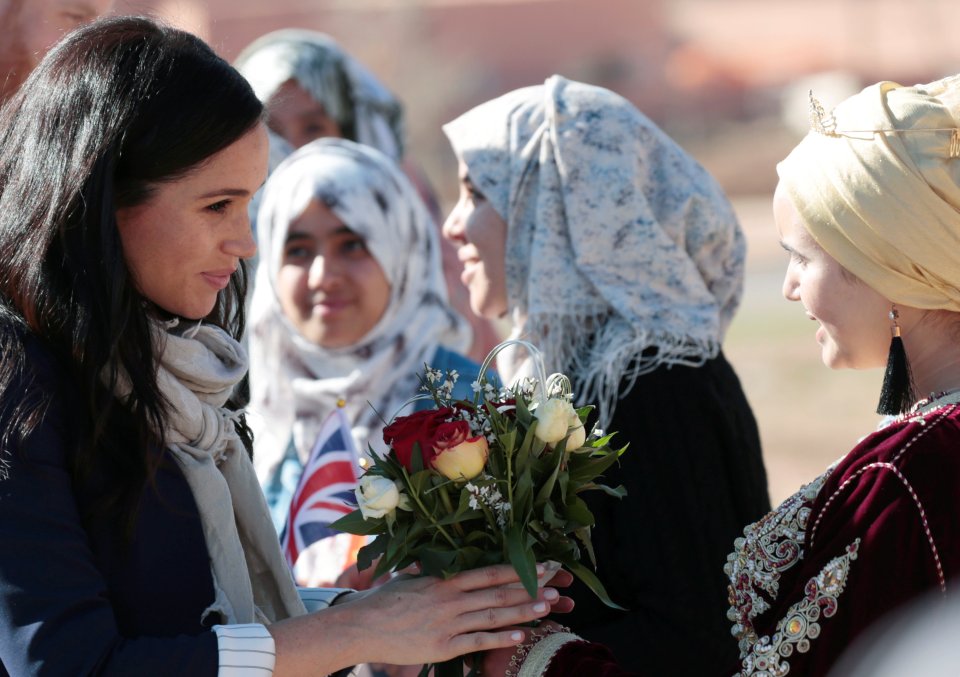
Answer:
[(617, 241), (348, 92), (295, 384)]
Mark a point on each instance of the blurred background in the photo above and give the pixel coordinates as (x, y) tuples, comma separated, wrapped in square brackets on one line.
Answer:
[(728, 79)]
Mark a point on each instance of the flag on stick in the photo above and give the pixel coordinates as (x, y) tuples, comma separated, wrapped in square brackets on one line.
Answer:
[(325, 492)]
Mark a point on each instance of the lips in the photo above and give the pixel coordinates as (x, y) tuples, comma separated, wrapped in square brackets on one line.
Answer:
[(218, 279), (328, 307)]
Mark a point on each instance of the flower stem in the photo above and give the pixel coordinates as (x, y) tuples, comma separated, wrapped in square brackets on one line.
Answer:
[(445, 497), (423, 509)]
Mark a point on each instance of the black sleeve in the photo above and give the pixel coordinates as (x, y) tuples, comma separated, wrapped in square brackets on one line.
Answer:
[(695, 478), (56, 616)]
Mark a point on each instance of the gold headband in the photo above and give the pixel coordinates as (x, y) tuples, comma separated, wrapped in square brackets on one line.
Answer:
[(826, 124)]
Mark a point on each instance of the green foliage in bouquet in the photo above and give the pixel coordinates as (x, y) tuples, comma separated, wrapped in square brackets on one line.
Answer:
[(496, 479)]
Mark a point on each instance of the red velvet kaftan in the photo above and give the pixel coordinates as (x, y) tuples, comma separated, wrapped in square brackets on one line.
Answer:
[(877, 529)]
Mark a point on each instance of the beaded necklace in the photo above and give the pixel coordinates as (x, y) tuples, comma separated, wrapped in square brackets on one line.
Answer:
[(934, 401)]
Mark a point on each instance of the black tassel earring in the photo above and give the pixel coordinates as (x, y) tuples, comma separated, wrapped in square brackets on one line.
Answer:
[(897, 392)]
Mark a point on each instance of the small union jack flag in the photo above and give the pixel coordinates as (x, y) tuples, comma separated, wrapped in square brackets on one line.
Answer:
[(325, 492)]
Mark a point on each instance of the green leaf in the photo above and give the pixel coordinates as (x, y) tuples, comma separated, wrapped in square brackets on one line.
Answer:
[(554, 459), (618, 492), (416, 459), (577, 511), (368, 554), (585, 469), (522, 495), (592, 582), (436, 561), (583, 535), (353, 523), (521, 557)]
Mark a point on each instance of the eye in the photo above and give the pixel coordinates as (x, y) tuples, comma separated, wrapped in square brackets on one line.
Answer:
[(353, 246), (297, 251), (472, 192), (219, 207)]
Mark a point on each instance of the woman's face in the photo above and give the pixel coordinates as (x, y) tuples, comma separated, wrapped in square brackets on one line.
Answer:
[(183, 244), (480, 235), (296, 116), (330, 286), (854, 323)]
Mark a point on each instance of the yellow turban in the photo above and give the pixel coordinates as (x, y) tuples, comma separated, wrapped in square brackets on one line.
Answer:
[(881, 194)]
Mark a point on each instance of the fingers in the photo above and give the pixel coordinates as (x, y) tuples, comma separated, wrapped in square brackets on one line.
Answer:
[(488, 577), (486, 641), (499, 617), (563, 605), (561, 579)]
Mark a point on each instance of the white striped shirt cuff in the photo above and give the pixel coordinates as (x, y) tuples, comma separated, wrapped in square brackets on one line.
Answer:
[(246, 650)]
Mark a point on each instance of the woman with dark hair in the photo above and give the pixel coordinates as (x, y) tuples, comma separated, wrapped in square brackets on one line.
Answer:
[(135, 536)]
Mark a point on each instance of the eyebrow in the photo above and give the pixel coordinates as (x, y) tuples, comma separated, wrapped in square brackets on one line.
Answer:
[(299, 234), (221, 192)]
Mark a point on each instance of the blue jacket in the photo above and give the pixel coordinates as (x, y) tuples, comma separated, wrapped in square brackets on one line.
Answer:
[(76, 597)]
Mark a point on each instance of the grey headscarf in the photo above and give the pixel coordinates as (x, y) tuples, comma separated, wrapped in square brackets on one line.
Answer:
[(348, 92), (618, 242)]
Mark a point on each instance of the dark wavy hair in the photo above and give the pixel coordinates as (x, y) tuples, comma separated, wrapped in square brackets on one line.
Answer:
[(115, 109)]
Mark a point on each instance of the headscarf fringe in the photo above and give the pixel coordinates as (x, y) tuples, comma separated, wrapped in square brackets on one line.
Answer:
[(604, 363)]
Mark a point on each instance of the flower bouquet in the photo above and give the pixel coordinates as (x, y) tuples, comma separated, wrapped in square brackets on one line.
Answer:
[(496, 479)]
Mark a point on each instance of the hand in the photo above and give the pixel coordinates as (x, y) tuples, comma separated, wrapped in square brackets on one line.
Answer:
[(426, 619), (352, 577), (561, 579), (496, 662)]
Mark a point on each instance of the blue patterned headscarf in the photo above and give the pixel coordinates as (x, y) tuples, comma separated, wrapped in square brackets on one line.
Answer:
[(618, 242)]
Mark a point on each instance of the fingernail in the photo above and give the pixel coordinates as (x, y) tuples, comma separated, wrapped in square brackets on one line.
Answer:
[(541, 569), (551, 594), (516, 636), (540, 607)]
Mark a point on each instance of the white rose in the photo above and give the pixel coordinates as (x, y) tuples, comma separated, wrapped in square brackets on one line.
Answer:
[(553, 420), (578, 434), (378, 496)]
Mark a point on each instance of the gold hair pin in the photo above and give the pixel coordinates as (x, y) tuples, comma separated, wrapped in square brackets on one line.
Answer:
[(826, 124)]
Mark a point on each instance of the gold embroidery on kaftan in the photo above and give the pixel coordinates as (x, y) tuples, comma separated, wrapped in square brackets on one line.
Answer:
[(769, 655)]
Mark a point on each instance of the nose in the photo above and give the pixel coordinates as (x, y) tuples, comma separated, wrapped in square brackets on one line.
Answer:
[(453, 227), (323, 273), (242, 244), (791, 285)]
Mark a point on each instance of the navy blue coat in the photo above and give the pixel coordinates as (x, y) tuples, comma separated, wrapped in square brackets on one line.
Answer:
[(77, 596)]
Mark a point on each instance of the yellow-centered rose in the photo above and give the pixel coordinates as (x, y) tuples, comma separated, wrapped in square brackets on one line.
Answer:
[(458, 456)]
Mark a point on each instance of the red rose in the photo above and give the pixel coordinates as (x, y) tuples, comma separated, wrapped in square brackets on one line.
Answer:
[(420, 426)]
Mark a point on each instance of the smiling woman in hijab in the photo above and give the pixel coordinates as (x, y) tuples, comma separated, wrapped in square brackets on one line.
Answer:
[(617, 255), (349, 303), (312, 88)]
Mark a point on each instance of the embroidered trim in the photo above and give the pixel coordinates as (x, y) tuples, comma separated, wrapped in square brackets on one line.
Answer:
[(903, 480), (538, 660), (801, 624), (766, 549)]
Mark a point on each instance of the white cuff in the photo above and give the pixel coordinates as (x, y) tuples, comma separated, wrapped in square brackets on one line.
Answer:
[(246, 650), (538, 660), (315, 599)]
